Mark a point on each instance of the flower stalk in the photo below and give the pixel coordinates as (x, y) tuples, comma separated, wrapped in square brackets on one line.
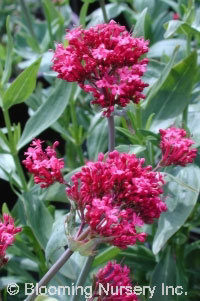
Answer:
[(13, 150), (56, 267)]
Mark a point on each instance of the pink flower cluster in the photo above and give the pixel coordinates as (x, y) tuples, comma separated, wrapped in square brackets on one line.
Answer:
[(176, 147), (117, 194), (104, 60), (7, 236), (44, 165), (116, 282)]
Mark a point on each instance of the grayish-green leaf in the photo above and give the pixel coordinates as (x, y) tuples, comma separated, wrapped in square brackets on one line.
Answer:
[(58, 238), (22, 87), (47, 114), (180, 201), (170, 96)]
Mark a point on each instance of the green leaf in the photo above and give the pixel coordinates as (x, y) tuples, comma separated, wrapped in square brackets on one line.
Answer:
[(22, 87), (141, 257), (106, 255), (176, 26), (5, 209), (47, 114), (180, 201), (84, 10), (128, 134), (4, 281), (9, 49), (167, 47), (171, 95), (113, 10), (142, 25), (45, 298), (130, 149), (38, 216), (58, 238), (97, 139), (172, 3), (164, 275)]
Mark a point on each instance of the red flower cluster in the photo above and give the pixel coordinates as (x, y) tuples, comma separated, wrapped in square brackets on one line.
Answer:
[(116, 283), (7, 236), (44, 165), (176, 147), (117, 194), (104, 60)]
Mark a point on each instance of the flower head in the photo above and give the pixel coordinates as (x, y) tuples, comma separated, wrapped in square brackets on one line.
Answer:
[(116, 195), (7, 236), (176, 147), (104, 60), (44, 165), (115, 280)]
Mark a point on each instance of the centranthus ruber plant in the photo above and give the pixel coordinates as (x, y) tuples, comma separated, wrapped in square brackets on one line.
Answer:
[(106, 171)]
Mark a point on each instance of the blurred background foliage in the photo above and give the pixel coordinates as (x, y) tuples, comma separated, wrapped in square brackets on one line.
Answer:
[(40, 105)]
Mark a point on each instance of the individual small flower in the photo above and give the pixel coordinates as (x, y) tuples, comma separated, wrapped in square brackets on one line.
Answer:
[(44, 165), (176, 16), (116, 195), (176, 147), (106, 61), (113, 283), (7, 236)]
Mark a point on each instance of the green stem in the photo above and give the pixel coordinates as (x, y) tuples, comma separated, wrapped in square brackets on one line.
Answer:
[(83, 276), (102, 4), (80, 154), (20, 172), (138, 116), (185, 112), (76, 132), (14, 151), (111, 134)]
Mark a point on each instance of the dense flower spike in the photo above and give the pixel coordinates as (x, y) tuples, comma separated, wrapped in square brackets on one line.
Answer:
[(115, 280), (7, 236), (176, 147), (44, 165), (104, 60), (117, 194)]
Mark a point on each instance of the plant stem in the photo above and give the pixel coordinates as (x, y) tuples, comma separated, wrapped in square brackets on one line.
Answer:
[(56, 267), (83, 276), (52, 271), (102, 4), (13, 150), (185, 112), (76, 132), (138, 116), (111, 134)]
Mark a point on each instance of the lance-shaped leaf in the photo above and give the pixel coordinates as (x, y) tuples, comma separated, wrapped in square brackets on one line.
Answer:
[(22, 87), (181, 200)]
